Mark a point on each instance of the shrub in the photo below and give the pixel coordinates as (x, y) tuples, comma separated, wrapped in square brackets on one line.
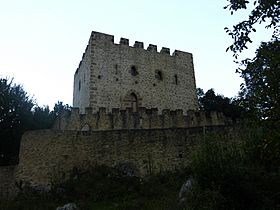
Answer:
[(223, 170)]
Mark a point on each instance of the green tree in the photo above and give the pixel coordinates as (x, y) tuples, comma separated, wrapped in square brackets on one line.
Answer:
[(264, 12), (15, 115), (59, 108), (19, 113), (260, 91), (261, 88), (42, 118), (209, 101), (260, 95)]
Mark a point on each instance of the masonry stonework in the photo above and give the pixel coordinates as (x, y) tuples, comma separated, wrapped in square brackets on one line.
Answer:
[(49, 156), (118, 119), (120, 76)]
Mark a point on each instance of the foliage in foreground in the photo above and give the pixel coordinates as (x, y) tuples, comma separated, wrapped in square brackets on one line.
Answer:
[(260, 91), (234, 175), (263, 12), (105, 188)]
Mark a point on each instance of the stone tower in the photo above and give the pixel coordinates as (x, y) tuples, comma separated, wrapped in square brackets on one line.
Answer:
[(121, 76)]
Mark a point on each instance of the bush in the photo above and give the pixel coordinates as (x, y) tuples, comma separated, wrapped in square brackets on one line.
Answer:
[(227, 176), (105, 188)]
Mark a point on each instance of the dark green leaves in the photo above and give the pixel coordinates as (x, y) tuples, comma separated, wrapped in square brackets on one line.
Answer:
[(263, 12), (262, 82)]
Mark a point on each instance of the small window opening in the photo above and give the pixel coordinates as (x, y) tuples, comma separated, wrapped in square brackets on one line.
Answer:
[(176, 79), (99, 77), (116, 68), (79, 85), (133, 71), (158, 75)]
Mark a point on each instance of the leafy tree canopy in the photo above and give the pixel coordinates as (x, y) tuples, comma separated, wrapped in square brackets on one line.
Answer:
[(18, 113), (15, 105), (261, 89), (209, 101), (59, 107), (266, 12)]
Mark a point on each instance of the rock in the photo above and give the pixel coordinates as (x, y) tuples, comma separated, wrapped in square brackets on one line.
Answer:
[(185, 189), (68, 206)]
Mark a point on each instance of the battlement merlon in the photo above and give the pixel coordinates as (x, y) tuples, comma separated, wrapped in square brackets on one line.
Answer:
[(124, 41), (145, 118), (101, 36), (138, 45), (165, 50), (152, 47)]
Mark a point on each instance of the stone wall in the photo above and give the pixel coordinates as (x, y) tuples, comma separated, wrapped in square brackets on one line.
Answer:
[(109, 74), (143, 119), (7, 182), (81, 90), (47, 156)]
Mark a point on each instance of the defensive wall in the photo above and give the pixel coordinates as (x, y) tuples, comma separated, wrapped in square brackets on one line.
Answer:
[(146, 142), (143, 119), (49, 156)]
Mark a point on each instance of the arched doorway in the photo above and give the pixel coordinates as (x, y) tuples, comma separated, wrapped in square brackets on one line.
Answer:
[(131, 101), (134, 102)]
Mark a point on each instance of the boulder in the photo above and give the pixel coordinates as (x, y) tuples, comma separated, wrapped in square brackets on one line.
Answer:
[(183, 193), (68, 206)]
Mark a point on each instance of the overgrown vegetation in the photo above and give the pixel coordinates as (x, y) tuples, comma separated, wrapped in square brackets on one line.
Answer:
[(105, 188), (234, 175), (210, 101)]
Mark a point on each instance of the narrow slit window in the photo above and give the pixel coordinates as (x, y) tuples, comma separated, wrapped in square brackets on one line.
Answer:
[(176, 79), (79, 85), (133, 71), (116, 69)]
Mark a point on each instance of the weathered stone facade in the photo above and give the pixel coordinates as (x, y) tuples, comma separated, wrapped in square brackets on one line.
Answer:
[(120, 76), (143, 119), (150, 142), (48, 156)]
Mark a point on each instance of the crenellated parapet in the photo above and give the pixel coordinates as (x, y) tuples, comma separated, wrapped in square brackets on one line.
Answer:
[(143, 119), (109, 39), (106, 38)]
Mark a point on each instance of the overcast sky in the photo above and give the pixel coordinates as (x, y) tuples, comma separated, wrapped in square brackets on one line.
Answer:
[(42, 42)]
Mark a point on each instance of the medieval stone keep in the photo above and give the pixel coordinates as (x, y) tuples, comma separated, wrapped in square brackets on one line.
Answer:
[(121, 76), (132, 107)]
